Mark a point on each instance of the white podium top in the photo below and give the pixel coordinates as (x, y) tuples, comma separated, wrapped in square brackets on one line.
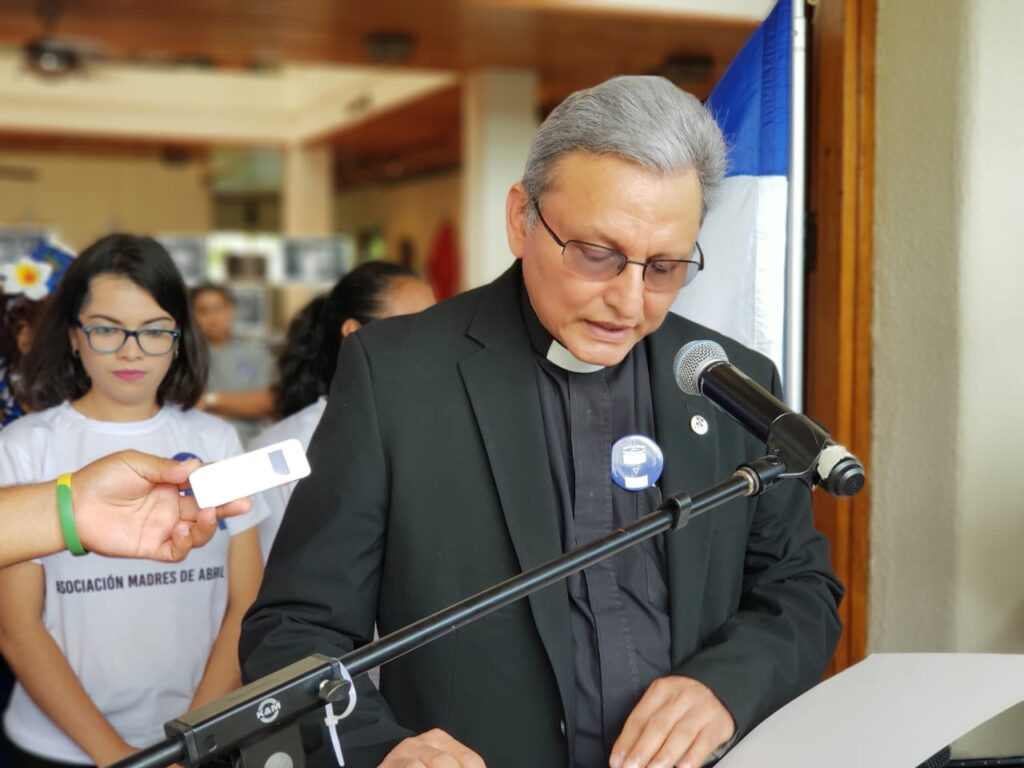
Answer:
[(891, 710)]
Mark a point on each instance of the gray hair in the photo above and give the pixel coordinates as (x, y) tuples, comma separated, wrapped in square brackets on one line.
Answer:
[(644, 119)]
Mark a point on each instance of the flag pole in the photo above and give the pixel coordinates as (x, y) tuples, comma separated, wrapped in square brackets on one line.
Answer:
[(793, 355)]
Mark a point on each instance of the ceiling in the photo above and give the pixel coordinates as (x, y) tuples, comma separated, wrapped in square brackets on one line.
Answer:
[(570, 44)]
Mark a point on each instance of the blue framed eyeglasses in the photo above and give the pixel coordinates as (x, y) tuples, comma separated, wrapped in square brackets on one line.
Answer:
[(108, 339)]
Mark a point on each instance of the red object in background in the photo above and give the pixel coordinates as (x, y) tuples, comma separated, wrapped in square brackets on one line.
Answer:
[(443, 268)]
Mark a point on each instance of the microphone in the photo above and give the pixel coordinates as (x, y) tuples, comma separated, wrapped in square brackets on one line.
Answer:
[(702, 368)]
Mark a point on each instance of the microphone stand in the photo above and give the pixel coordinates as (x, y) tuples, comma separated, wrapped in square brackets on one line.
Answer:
[(259, 721)]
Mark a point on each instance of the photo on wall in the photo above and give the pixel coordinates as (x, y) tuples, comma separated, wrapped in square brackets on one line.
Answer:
[(315, 259), (234, 256), (251, 266), (189, 254)]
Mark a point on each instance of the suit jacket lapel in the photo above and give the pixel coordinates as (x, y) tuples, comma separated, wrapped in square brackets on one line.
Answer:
[(690, 466), (502, 388)]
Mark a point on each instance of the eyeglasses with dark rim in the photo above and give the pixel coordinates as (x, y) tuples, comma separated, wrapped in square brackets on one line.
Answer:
[(108, 339), (600, 263)]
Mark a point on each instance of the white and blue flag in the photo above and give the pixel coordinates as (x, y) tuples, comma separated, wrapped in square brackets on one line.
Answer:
[(742, 291)]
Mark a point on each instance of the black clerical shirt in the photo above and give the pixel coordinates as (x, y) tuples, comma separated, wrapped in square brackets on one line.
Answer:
[(619, 606)]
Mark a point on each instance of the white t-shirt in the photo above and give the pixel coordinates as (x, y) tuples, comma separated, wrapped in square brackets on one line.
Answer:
[(300, 425), (137, 633)]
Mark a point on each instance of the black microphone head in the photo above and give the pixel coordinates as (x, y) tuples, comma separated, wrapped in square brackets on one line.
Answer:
[(691, 360)]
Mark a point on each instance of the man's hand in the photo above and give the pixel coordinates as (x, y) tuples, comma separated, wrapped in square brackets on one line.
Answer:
[(128, 505), (433, 749), (677, 722)]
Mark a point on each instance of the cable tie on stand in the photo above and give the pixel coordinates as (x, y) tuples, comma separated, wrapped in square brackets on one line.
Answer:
[(331, 720)]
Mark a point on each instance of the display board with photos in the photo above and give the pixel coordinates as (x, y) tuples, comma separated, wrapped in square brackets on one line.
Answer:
[(269, 276)]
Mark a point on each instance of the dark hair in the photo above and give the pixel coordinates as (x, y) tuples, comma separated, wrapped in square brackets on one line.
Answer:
[(310, 354), (52, 374), (298, 378), (202, 288), (16, 312)]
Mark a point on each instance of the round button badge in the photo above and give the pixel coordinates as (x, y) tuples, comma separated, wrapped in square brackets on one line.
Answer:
[(637, 462)]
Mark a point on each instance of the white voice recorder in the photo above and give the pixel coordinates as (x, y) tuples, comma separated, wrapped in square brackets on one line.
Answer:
[(248, 474)]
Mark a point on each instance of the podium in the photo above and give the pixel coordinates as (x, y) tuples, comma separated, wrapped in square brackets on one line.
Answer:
[(892, 710)]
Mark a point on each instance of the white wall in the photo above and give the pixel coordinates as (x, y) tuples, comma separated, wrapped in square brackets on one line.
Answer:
[(948, 517)]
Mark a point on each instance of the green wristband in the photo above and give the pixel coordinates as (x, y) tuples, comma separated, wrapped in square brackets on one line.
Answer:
[(67, 516)]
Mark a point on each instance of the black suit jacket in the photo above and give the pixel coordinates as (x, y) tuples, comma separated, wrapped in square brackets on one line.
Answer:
[(431, 481)]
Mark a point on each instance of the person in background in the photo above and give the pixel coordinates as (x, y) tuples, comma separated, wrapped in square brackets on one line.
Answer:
[(241, 370), (371, 291), (18, 317), (106, 650), (127, 504)]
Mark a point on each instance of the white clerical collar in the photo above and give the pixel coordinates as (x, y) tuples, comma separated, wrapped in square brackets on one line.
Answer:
[(567, 361)]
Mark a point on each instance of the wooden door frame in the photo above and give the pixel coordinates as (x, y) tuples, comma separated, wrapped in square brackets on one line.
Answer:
[(841, 108)]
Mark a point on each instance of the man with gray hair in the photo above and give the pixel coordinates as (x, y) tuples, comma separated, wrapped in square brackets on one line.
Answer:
[(470, 442)]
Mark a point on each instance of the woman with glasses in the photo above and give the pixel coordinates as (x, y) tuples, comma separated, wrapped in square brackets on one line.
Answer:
[(107, 650)]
